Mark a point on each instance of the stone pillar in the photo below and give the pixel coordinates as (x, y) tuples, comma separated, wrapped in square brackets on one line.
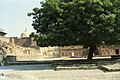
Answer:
[(12, 40), (41, 50)]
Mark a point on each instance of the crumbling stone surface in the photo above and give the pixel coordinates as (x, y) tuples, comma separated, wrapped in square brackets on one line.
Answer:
[(19, 51), (66, 51), (79, 51)]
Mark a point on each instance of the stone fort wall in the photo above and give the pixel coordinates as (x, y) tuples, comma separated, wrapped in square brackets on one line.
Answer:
[(26, 42), (80, 52), (66, 51), (77, 51)]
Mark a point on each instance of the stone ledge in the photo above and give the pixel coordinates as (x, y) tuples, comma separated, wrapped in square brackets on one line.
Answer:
[(82, 66), (115, 57), (106, 68), (109, 69), (60, 67)]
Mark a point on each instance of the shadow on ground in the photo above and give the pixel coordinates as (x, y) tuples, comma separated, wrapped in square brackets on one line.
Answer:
[(28, 67)]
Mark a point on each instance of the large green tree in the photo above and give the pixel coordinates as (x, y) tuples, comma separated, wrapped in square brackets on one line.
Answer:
[(77, 22)]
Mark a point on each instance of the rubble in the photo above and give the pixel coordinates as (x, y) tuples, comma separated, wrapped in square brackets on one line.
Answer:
[(19, 51)]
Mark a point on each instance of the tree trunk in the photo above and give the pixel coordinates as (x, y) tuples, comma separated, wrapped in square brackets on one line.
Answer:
[(91, 51)]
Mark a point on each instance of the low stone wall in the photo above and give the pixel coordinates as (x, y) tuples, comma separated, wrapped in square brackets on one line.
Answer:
[(66, 51), (50, 51), (107, 51), (5, 39), (70, 51), (28, 57), (78, 51)]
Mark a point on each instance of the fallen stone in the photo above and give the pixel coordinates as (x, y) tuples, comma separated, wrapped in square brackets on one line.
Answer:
[(109, 69)]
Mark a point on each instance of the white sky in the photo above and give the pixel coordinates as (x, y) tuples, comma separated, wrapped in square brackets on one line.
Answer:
[(13, 16)]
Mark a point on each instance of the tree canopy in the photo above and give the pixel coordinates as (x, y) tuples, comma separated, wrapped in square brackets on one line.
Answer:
[(77, 22)]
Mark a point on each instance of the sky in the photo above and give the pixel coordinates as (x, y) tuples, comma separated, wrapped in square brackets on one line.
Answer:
[(13, 16)]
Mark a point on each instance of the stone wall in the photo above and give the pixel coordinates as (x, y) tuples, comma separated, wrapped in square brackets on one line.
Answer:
[(78, 51), (50, 51), (21, 53), (70, 51), (27, 42), (5, 39), (24, 42)]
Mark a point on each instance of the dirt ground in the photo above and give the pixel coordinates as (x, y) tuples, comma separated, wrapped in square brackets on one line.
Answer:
[(46, 72)]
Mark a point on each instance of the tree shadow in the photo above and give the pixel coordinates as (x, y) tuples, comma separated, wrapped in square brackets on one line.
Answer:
[(28, 67)]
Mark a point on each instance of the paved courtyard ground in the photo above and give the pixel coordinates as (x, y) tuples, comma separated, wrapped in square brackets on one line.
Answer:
[(46, 72)]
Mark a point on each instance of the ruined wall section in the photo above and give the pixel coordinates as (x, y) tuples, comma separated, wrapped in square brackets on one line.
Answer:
[(67, 51), (5, 39), (26, 42), (20, 52)]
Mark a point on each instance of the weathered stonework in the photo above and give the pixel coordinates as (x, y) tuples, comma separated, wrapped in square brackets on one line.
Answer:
[(23, 53), (80, 52), (20, 52)]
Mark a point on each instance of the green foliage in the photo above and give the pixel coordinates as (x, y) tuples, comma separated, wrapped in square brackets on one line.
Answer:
[(77, 22)]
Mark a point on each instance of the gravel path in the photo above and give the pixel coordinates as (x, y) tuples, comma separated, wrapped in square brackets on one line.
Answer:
[(45, 72)]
